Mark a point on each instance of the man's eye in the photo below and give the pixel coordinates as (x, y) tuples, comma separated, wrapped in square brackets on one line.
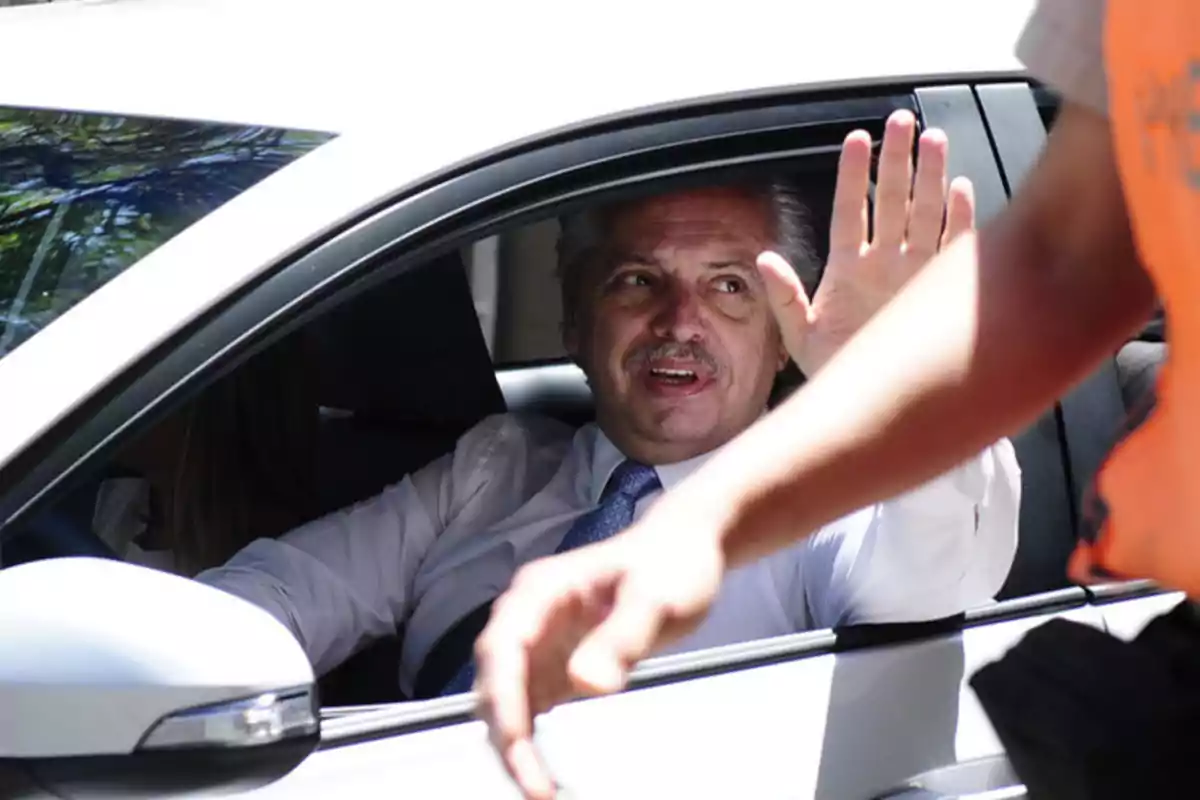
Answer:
[(730, 285), (634, 279)]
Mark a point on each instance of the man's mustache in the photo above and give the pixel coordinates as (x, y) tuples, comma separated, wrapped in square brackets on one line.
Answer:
[(683, 351)]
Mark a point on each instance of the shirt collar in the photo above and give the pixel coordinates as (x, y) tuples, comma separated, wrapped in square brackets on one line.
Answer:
[(606, 458)]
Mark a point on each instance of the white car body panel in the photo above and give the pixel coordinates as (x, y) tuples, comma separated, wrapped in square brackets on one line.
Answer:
[(1126, 619), (536, 66), (837, 726)]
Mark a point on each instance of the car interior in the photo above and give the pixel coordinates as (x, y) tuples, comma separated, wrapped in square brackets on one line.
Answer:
[(403, 370)]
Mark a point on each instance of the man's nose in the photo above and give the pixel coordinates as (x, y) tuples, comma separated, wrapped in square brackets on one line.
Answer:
[(680, 316)]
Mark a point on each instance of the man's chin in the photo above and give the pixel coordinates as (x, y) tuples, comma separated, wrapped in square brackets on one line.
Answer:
[(684, 434)]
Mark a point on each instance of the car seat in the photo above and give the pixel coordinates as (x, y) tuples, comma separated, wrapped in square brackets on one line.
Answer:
[(402, 372)]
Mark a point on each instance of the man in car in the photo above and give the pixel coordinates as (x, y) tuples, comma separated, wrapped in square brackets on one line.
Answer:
[(668, 316)]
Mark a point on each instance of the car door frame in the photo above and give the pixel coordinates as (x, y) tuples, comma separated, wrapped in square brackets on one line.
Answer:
[(1090, 416)]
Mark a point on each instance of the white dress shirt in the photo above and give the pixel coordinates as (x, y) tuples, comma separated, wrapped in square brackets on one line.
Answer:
[(448, 538)]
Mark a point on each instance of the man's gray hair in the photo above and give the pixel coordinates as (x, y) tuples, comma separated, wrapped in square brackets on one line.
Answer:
[(583, 235)]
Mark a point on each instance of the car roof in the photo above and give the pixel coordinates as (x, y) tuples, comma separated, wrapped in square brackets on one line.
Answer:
[(411, 91), (337, 66)]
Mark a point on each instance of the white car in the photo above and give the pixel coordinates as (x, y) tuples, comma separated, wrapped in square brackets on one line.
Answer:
[(187, 183)]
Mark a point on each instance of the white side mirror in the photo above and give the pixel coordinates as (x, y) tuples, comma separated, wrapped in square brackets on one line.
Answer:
[(120, 680)]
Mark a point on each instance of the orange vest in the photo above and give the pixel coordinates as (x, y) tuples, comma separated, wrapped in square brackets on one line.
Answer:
[(1151, 481)]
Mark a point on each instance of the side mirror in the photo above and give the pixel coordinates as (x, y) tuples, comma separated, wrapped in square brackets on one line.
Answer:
[(122, 681)]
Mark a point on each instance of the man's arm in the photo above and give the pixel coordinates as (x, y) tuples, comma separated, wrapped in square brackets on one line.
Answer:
[(975, 347), (341, 580), (939, 550), (346, 579)]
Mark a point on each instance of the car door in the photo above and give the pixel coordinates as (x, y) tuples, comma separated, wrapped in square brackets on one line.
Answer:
[(824, 713)]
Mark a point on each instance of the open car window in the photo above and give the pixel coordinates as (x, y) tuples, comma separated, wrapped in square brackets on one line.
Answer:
[(85, 196)]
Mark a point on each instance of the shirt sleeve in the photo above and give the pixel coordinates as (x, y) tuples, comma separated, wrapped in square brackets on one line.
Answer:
[(343, 580), (937, 551), (1062, 46)]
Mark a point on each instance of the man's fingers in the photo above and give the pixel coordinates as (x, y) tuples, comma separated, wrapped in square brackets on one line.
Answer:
[(785, 293), (788, 301), (894, 185), (848, 225), (504, 704), (603, 659), (550, 684), (960, 209), (928, 197), (503, 680), (523, 763)]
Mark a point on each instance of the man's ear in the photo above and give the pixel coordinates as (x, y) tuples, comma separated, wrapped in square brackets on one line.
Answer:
[(781, 358)]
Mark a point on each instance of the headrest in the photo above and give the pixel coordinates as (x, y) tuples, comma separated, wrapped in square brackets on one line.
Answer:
[(408, 350), (561, 390), (555, 390)]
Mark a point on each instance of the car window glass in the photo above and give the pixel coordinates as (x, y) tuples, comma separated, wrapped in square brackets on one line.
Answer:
[(84, 196)]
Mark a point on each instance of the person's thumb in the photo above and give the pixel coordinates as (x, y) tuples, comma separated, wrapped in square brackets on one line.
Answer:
[(789, 302), (604, 657)]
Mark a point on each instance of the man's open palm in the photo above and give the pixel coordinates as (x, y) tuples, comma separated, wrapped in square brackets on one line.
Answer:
[(864, 272)]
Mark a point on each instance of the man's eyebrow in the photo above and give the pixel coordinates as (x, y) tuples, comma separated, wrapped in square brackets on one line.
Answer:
[(617, 259), (730, 263)]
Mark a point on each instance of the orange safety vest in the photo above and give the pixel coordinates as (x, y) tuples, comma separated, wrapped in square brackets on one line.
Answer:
[(1150, 483)]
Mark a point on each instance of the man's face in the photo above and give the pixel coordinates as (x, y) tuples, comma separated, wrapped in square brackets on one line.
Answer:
[(673, 327)]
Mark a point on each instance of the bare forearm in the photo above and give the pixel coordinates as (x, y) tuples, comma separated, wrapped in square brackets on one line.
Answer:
[(979, 343), (918, 393)]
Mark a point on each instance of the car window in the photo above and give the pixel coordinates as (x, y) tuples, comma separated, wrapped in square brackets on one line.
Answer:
[(84, 196)]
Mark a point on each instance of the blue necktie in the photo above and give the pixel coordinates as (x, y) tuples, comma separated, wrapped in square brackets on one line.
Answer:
[(629, 483)]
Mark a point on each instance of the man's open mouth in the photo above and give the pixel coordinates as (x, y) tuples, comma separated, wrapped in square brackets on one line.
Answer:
[(680, 377)]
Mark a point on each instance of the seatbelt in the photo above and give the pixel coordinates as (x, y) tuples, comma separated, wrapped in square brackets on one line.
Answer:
[(450, 652)]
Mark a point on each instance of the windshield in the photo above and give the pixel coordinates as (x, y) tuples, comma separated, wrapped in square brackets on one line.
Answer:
[(84, 196)]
